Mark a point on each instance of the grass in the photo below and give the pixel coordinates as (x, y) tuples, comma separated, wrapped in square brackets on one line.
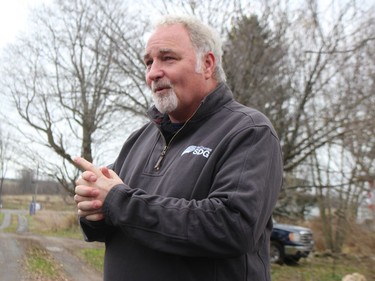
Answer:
[(12, 228), (48, 202), (55, 219), (39, 263), (1, 218), (51, 223), (321, 269), (312, 269), (94, 257), (52, 220)]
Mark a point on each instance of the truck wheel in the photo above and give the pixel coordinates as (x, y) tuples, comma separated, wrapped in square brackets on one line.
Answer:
[(292, 260), (276, 253)]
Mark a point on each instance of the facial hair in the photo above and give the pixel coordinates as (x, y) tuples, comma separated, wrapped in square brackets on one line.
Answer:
[(167, 101)]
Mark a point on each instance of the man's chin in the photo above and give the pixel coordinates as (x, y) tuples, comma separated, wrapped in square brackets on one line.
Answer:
[(164, 110), (166, 104)]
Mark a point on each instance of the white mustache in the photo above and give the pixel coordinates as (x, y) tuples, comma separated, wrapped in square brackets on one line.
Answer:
[(155, 86)]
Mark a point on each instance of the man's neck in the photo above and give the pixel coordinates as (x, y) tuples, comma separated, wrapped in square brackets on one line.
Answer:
[(179, 116)]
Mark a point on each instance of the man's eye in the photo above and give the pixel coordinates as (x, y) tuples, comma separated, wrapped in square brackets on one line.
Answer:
[(148, 62), (168, 58)]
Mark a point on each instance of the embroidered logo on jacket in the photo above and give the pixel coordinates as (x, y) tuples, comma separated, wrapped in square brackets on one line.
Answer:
[(198, 150)]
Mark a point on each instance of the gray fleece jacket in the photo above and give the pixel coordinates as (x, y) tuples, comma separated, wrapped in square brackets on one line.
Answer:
[(198, 207)]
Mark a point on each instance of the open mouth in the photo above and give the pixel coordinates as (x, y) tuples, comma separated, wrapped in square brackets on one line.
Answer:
[(161, 88)]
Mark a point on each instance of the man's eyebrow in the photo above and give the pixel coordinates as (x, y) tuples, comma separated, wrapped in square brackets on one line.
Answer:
[(162, 51), (146, 56), (166, 50)]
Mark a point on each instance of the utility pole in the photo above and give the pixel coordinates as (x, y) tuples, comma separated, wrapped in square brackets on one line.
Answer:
[(35, 183)]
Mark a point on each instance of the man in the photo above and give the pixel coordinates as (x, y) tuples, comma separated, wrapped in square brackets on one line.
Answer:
[(191, 193)]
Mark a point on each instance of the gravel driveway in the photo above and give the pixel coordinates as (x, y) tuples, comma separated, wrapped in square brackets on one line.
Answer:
[(12, 252)]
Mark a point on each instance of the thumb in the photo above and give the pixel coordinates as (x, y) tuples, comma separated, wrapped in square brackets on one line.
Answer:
[(105, 171)]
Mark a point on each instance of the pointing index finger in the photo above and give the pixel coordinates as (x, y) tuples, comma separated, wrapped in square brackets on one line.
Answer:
[(87, 166)]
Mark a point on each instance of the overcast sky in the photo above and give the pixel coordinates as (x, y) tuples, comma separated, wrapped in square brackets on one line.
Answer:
[(13, 17)]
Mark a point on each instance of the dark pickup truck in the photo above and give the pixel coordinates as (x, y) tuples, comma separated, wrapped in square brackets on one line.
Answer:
[(290, 243)]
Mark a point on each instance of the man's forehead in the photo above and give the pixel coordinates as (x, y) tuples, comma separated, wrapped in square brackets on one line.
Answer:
[(170, 36)]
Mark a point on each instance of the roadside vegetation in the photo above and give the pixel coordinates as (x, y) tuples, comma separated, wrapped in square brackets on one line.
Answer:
[(57, 219), (322, 265), (39, 263), (322, 268), (47, 202), (52, 223), (13, 224), (94, 257)]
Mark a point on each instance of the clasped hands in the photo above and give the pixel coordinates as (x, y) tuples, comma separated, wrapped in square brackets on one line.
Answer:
[(92, 189)]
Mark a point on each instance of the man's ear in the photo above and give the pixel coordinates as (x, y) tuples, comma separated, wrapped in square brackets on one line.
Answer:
[(209, 65)]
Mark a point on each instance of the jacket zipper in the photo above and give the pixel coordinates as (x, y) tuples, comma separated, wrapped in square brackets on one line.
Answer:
[(166, 146), (161, 157)]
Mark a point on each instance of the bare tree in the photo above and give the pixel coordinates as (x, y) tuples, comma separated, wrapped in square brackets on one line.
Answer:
[(314, 80), (5, 155), (334, 117), (71, 80), (309, 68), (217, 13)]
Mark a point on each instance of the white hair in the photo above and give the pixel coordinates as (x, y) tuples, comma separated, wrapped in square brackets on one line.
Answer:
[(203, 38)]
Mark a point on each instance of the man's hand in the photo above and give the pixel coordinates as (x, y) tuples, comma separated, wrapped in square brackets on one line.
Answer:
[(92, 189)]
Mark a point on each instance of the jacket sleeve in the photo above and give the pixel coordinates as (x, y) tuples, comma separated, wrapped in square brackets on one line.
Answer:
[(232, 220), (95, 230)]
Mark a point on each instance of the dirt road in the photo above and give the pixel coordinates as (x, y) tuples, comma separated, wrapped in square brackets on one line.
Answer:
[(12, 252)]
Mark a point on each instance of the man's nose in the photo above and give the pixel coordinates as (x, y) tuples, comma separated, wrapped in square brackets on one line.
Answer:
[(155, 71)]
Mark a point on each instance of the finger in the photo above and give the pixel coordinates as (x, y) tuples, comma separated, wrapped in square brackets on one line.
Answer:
[(89, 176), (105, 172), (87, 166), (84, 214), (78, 198), (113, 175), (81, 181), (86, 191), (86, 178), (89, 206), (95, 217)]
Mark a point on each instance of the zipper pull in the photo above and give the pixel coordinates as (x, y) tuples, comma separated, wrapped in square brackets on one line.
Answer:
[(160, 159)]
